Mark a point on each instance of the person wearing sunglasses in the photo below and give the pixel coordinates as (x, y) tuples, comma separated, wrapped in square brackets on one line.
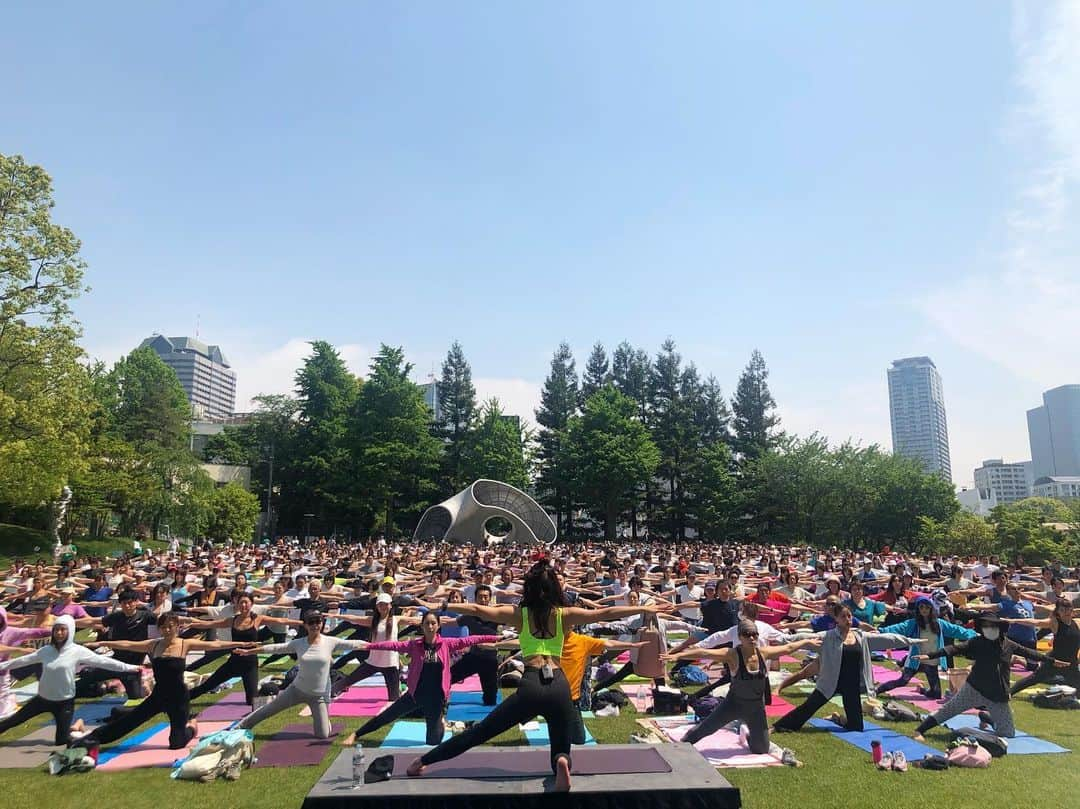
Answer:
[(749, 686), (314, 653)]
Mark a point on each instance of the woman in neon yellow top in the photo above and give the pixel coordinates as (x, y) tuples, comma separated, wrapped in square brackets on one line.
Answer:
[(540, 619)]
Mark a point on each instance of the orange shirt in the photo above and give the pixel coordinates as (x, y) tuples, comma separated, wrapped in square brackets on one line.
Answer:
[(576, 651)]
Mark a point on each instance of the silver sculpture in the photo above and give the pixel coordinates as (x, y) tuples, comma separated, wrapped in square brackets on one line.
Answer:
[(463, 519)]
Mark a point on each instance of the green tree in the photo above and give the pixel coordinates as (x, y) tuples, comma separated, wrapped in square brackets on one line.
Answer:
[(715, 491), (233, 513), (755, 419), (317, 481), (630, 372), (44, 417), (457, 411), (596, 375), (496, 448), (394, 458), (610, 453), (558, 402), (1028, 528), (671, 392)]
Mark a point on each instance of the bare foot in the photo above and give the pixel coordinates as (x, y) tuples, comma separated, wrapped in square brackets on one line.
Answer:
[(349, 740), (562, 775), (78, 726), (415, 769), (919, 737)]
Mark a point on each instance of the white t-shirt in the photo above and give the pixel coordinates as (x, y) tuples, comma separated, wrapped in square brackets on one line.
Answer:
[(387, 630), (692, 595)]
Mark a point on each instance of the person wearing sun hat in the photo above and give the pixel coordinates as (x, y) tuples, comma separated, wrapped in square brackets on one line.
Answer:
[(987, 686)]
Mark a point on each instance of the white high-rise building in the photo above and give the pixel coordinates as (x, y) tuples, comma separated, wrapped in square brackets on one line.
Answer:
[(917, 413), (206, 376), (1054, 433), (1008, 482)]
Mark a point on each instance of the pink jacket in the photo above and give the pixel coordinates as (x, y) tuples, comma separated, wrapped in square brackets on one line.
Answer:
[(444, 647), (15, 635)]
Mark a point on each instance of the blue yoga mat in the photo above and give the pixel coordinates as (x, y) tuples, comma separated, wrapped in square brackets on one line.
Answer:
[(468, 706), (1022, 744), (540, 738), (129, 742), (891, 740), (409, 734), (94, 713)]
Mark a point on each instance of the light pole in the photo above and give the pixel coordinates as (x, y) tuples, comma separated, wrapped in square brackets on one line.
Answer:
[(307, 534), (269, 495)]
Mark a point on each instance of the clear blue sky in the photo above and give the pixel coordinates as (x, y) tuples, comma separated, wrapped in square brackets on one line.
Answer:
[(837, 184)]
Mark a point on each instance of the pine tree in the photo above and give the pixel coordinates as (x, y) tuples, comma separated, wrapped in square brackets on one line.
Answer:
[(672, 429), (630, 371), (596, 373), (755, 419), (496, 448), (558, 402), (457, 410)]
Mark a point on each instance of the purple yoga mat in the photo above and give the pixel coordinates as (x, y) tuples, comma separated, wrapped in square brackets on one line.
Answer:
[(492, 763), (295, 746), (229, 709)]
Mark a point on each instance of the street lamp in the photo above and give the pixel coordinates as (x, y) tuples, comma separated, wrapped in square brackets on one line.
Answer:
[(307, 534)]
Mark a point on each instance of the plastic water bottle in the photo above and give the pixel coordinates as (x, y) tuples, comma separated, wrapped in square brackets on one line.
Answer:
[(642, 696), (358, 766)]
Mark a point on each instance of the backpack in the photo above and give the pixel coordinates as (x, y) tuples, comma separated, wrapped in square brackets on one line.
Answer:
[(994, 744), (967, 752), (690, 675), (220, 755), (605, 670), (670, 701), (899, 713), (71, 759), (704, 706), (1058, 701), (610, 697)]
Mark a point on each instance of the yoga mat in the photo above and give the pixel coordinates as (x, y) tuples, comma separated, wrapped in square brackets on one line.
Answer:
[(30, 751), (539, 736), (490, 763), (229, 709), (891, 740), (295, 746), (1023, 744), (723, 749), (94, 713), (779, 707), (409, 734), (908, 692), (129, 743), (468, 706), (470, 683), (154, 751)]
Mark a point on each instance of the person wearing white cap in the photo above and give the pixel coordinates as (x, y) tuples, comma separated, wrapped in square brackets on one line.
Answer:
[(383, 624)]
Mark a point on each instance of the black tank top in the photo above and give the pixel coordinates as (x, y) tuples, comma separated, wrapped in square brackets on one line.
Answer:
[(249, 635), (1066, 642), (169, 677), (749, 686)]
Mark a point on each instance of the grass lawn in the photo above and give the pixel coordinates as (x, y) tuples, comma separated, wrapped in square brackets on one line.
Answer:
[(835, 774), (19, 542)]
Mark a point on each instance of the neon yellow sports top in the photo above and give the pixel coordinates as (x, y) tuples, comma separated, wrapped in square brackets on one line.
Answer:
[(531, 646)]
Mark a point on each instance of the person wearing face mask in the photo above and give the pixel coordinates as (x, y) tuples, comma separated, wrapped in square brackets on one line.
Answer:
[(987, 685), (60, 659)]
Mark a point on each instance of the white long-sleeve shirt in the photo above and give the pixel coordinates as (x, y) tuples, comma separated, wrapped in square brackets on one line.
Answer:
[(59, 666), (766, 635), (314, 660)]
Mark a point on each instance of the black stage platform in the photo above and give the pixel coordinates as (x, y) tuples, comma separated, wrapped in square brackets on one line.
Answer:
[(636, 776)]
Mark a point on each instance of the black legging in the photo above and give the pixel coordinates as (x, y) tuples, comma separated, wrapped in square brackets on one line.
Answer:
[(481, 663), (797, 717), (550, 700), (391, 676), (1047, 672), (63, 712), (620, 675), (430, 706), (752, 713), (180, 733), (930, 670), (244, 667)]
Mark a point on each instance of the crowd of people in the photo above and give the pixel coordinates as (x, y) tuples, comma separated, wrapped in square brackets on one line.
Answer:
[(532, 618)]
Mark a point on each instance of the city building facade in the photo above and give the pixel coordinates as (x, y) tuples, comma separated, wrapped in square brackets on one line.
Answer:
[(1062, 487), (206, 376), (1054, 433), (917, 414), (1008, 482)]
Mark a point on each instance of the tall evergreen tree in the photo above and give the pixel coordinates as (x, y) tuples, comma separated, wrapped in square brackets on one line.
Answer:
[(319, 483), (395, 458), (755, 419), (671, 424), (496, 448), (610, 454), (630, 372), (558, 402), (597, 373), (457, 410)]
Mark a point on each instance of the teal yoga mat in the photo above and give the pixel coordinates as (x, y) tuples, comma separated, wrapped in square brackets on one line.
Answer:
[(539, 737), (1022, 744), (409, 734), (468, 706)]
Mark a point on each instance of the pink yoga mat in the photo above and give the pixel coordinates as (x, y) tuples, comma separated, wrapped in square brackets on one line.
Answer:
[(723, 749), (909, 692), (470, 683), (155, 752), (779, 707), (359, 702)]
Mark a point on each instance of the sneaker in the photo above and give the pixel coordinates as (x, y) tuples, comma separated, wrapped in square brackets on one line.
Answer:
[(886, 762), (608, 710), (899, 762), (788, 758)]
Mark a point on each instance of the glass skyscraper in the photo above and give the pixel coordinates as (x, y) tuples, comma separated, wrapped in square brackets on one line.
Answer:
[(1054, 433), (917, 413)]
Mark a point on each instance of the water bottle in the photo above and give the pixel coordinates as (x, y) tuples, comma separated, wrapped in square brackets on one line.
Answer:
[(358, 766), (642, 696)]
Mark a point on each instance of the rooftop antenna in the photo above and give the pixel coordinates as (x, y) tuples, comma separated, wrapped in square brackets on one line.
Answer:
[(197, 326)]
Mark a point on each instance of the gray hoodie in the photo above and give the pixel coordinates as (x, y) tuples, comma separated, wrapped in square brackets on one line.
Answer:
[(59, 666)]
